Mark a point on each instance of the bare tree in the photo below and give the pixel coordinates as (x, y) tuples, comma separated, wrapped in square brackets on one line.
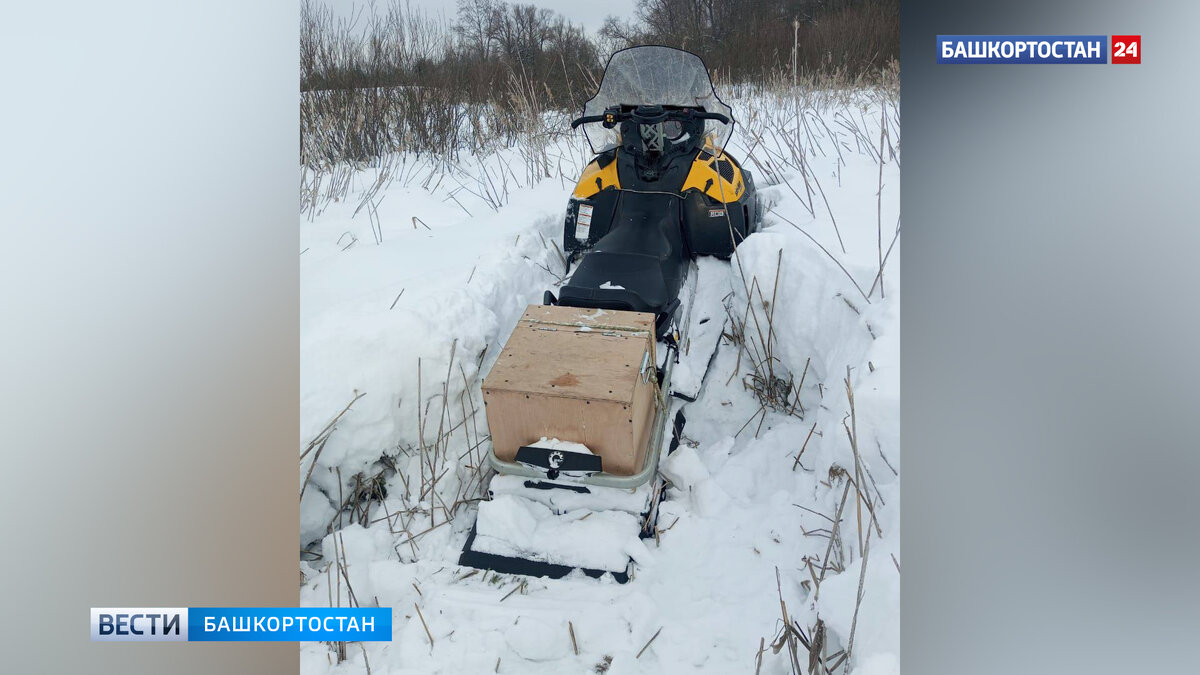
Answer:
[(476, 26)]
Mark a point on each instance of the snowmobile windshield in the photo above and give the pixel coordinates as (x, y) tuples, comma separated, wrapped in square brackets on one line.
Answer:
[(654, 75)]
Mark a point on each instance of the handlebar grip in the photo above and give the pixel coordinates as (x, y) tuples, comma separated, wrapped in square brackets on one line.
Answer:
[(713, 116), (586, 120)]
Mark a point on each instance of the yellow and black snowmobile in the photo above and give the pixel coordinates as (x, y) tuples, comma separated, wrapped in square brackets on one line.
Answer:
[(661, 189), (580, 400)]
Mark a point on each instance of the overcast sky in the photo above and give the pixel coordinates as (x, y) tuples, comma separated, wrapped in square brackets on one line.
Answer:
[(586, 12)]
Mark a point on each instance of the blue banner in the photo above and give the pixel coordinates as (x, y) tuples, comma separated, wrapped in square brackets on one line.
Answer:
[(289, 624), (1022, 49)]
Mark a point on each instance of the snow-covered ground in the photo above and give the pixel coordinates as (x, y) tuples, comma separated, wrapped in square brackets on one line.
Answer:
[(407, 304)]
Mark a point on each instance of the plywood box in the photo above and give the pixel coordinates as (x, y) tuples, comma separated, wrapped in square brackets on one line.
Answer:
[(577, 375)]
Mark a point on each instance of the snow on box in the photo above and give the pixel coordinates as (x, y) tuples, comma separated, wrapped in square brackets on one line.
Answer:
[(555, 444)]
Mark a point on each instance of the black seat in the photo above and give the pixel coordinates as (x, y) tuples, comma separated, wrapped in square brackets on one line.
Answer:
[(639, 265), (630, 281)]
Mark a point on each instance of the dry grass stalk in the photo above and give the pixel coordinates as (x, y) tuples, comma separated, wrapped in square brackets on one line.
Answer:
[(519, 587), (424, 625), (861, 498), (365, 659), (789, 637), (321, 439), (805, 445), (341, 571), (647, 645), (879, 199), (888, 254), (833, 537), (862, 577)]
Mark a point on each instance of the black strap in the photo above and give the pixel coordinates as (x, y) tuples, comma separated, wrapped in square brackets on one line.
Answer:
[(555, 462)]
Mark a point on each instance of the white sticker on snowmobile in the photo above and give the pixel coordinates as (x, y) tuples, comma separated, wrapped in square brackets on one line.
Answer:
[(716, 213), (583, 222)]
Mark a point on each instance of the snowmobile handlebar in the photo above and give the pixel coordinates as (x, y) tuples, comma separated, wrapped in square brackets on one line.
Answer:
[(649, 115)]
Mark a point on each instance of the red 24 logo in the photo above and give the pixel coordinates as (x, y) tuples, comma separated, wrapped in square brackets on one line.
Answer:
[(1127, 49)]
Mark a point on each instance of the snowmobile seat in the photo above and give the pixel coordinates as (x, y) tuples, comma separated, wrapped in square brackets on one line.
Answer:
[(628, 281), (639, 265)]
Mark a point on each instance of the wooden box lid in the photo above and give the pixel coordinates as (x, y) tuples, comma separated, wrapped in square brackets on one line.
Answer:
[(571, 352)]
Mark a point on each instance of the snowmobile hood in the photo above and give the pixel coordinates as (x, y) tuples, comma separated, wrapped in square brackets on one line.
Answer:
[(656, 75)]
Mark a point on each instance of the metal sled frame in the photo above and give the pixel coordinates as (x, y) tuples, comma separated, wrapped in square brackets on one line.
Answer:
[(534, 568)]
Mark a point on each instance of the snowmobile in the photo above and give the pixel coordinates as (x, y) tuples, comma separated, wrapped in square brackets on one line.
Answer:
[(584, 398)]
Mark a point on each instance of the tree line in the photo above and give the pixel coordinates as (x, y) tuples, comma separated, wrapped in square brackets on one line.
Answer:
[(489, 44), (749, 40)]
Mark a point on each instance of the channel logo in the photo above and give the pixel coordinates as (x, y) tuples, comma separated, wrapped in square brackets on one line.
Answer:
[(139, 624), (241, 624), (1018, 49)]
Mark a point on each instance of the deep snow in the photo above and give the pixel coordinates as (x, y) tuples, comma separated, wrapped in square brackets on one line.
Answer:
[(741, 509)]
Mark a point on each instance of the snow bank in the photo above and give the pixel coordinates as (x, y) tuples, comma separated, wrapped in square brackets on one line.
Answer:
[(385, 319)]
